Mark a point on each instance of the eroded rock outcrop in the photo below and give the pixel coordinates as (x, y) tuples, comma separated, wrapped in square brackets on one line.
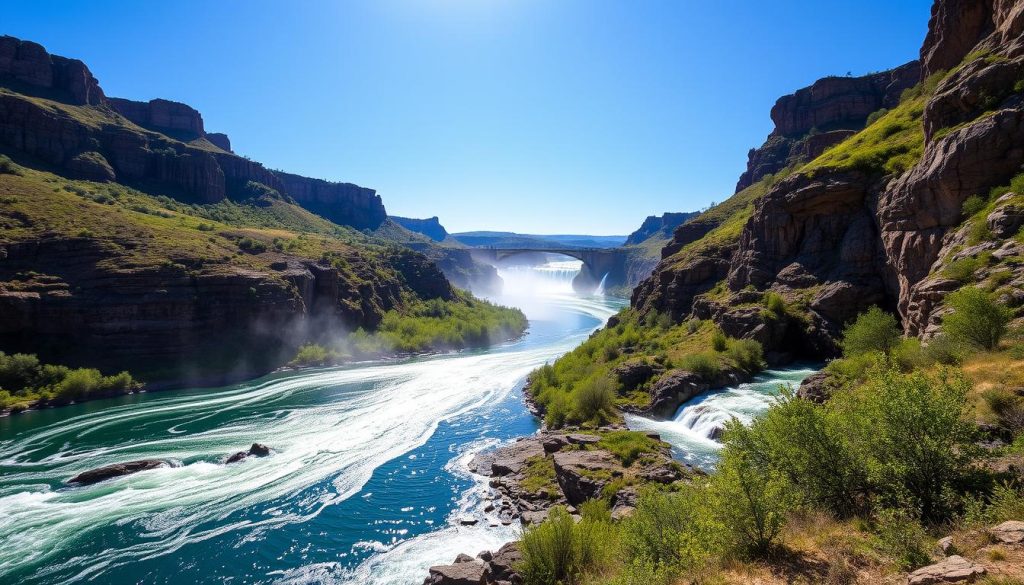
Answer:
[(816, 117), (342, 203), (116, 470)]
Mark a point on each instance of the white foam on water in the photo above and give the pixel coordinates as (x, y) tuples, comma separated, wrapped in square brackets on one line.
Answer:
[(377, 412), (691, 430)]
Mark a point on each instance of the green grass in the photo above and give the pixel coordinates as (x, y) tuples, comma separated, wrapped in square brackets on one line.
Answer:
[(539, 474), (891, 144), (628, 446)]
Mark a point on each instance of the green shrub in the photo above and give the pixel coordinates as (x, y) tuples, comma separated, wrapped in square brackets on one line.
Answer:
[(747, 354), (973, 205), (908, 434), (702, 364), (594, 401), (252, 246), (977, 318), (803, 442), (875, 116), (312, 354), (873, 330), (7, 166), (902, 538), (560, 551), (671, 530), (719, 342), (774, 304), (751, 501), (963, 270)]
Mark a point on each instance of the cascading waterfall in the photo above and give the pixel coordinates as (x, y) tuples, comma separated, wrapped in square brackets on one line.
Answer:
[(693, 431), (600, 286)]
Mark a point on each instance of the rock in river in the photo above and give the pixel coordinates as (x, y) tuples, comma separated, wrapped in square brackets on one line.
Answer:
[(256, 450), (116, 470)]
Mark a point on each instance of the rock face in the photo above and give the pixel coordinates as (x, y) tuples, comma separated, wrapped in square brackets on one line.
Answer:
[(89, 311), (816, 117), (430, 227), (953, 569), (116, 470), (162, 115), (28, 63), (342, 203), (663, 226), (838, 240), (489, 568), (161, 154)]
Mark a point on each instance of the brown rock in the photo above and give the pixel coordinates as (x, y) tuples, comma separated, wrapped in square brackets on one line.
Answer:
[(468, 573), (954, 569), (1005, 221), (583, 474), (673, 389), (1009, 532), (815, 388)]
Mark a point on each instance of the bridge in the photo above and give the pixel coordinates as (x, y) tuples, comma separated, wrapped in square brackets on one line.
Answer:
[(598, 263)]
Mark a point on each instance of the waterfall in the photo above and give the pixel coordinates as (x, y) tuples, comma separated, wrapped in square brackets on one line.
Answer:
[(552, 277), (600, 287)]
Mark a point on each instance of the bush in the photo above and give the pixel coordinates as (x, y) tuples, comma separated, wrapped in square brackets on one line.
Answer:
[(907, 433), (750, 500), (747, 354), (775, 305), (719, 342), (875, 116), (702, 364), (902, 538), (670, 529), (963, 270), (594, 401), (873, 330), (977, 318), (560, 551), (973, 205), (252, 246), (7, 166)]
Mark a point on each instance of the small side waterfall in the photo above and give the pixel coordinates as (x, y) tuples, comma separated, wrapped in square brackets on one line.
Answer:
[(600, 287)]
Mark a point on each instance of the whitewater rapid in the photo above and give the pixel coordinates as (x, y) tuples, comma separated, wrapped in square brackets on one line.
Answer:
[(329, 429)]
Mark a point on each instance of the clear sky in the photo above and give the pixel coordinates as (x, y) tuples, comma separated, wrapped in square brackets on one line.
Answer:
[(538, 116)]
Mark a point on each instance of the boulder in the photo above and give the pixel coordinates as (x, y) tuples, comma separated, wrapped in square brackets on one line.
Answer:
[(672, 390), (467, 573), (256, 450), (512, 459), (1009, 532), (631, 374), (1005, 221), (583, 474), (503, 562), (945, 546), (815, 388), (954, 569), (116, 470)]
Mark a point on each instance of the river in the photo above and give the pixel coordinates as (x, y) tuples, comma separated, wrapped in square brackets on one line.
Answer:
[(367, 482)]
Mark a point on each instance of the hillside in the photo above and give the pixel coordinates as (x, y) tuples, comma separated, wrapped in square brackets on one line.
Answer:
[(878, 227), (132, 238)]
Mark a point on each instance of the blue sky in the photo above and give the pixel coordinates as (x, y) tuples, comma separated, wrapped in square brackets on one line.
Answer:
[(540, 116)]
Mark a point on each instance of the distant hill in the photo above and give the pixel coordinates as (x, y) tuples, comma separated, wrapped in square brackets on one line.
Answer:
[(514, 240)]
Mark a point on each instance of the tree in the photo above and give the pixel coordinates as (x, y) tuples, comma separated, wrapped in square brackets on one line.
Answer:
[(874, 330), (977, 318)]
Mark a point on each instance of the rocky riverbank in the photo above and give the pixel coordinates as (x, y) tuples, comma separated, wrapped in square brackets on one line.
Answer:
[(560, 468)]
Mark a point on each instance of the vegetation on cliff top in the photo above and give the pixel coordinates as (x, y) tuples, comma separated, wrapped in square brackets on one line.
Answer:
[(435, 324)]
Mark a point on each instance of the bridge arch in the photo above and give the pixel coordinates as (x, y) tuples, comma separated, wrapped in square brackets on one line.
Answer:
[(597, 262)]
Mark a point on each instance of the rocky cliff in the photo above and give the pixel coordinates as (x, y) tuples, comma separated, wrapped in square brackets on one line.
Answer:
[(654, 225), (814, 118), (53, 109), (877, 216), (131, 237), (430, 227)]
